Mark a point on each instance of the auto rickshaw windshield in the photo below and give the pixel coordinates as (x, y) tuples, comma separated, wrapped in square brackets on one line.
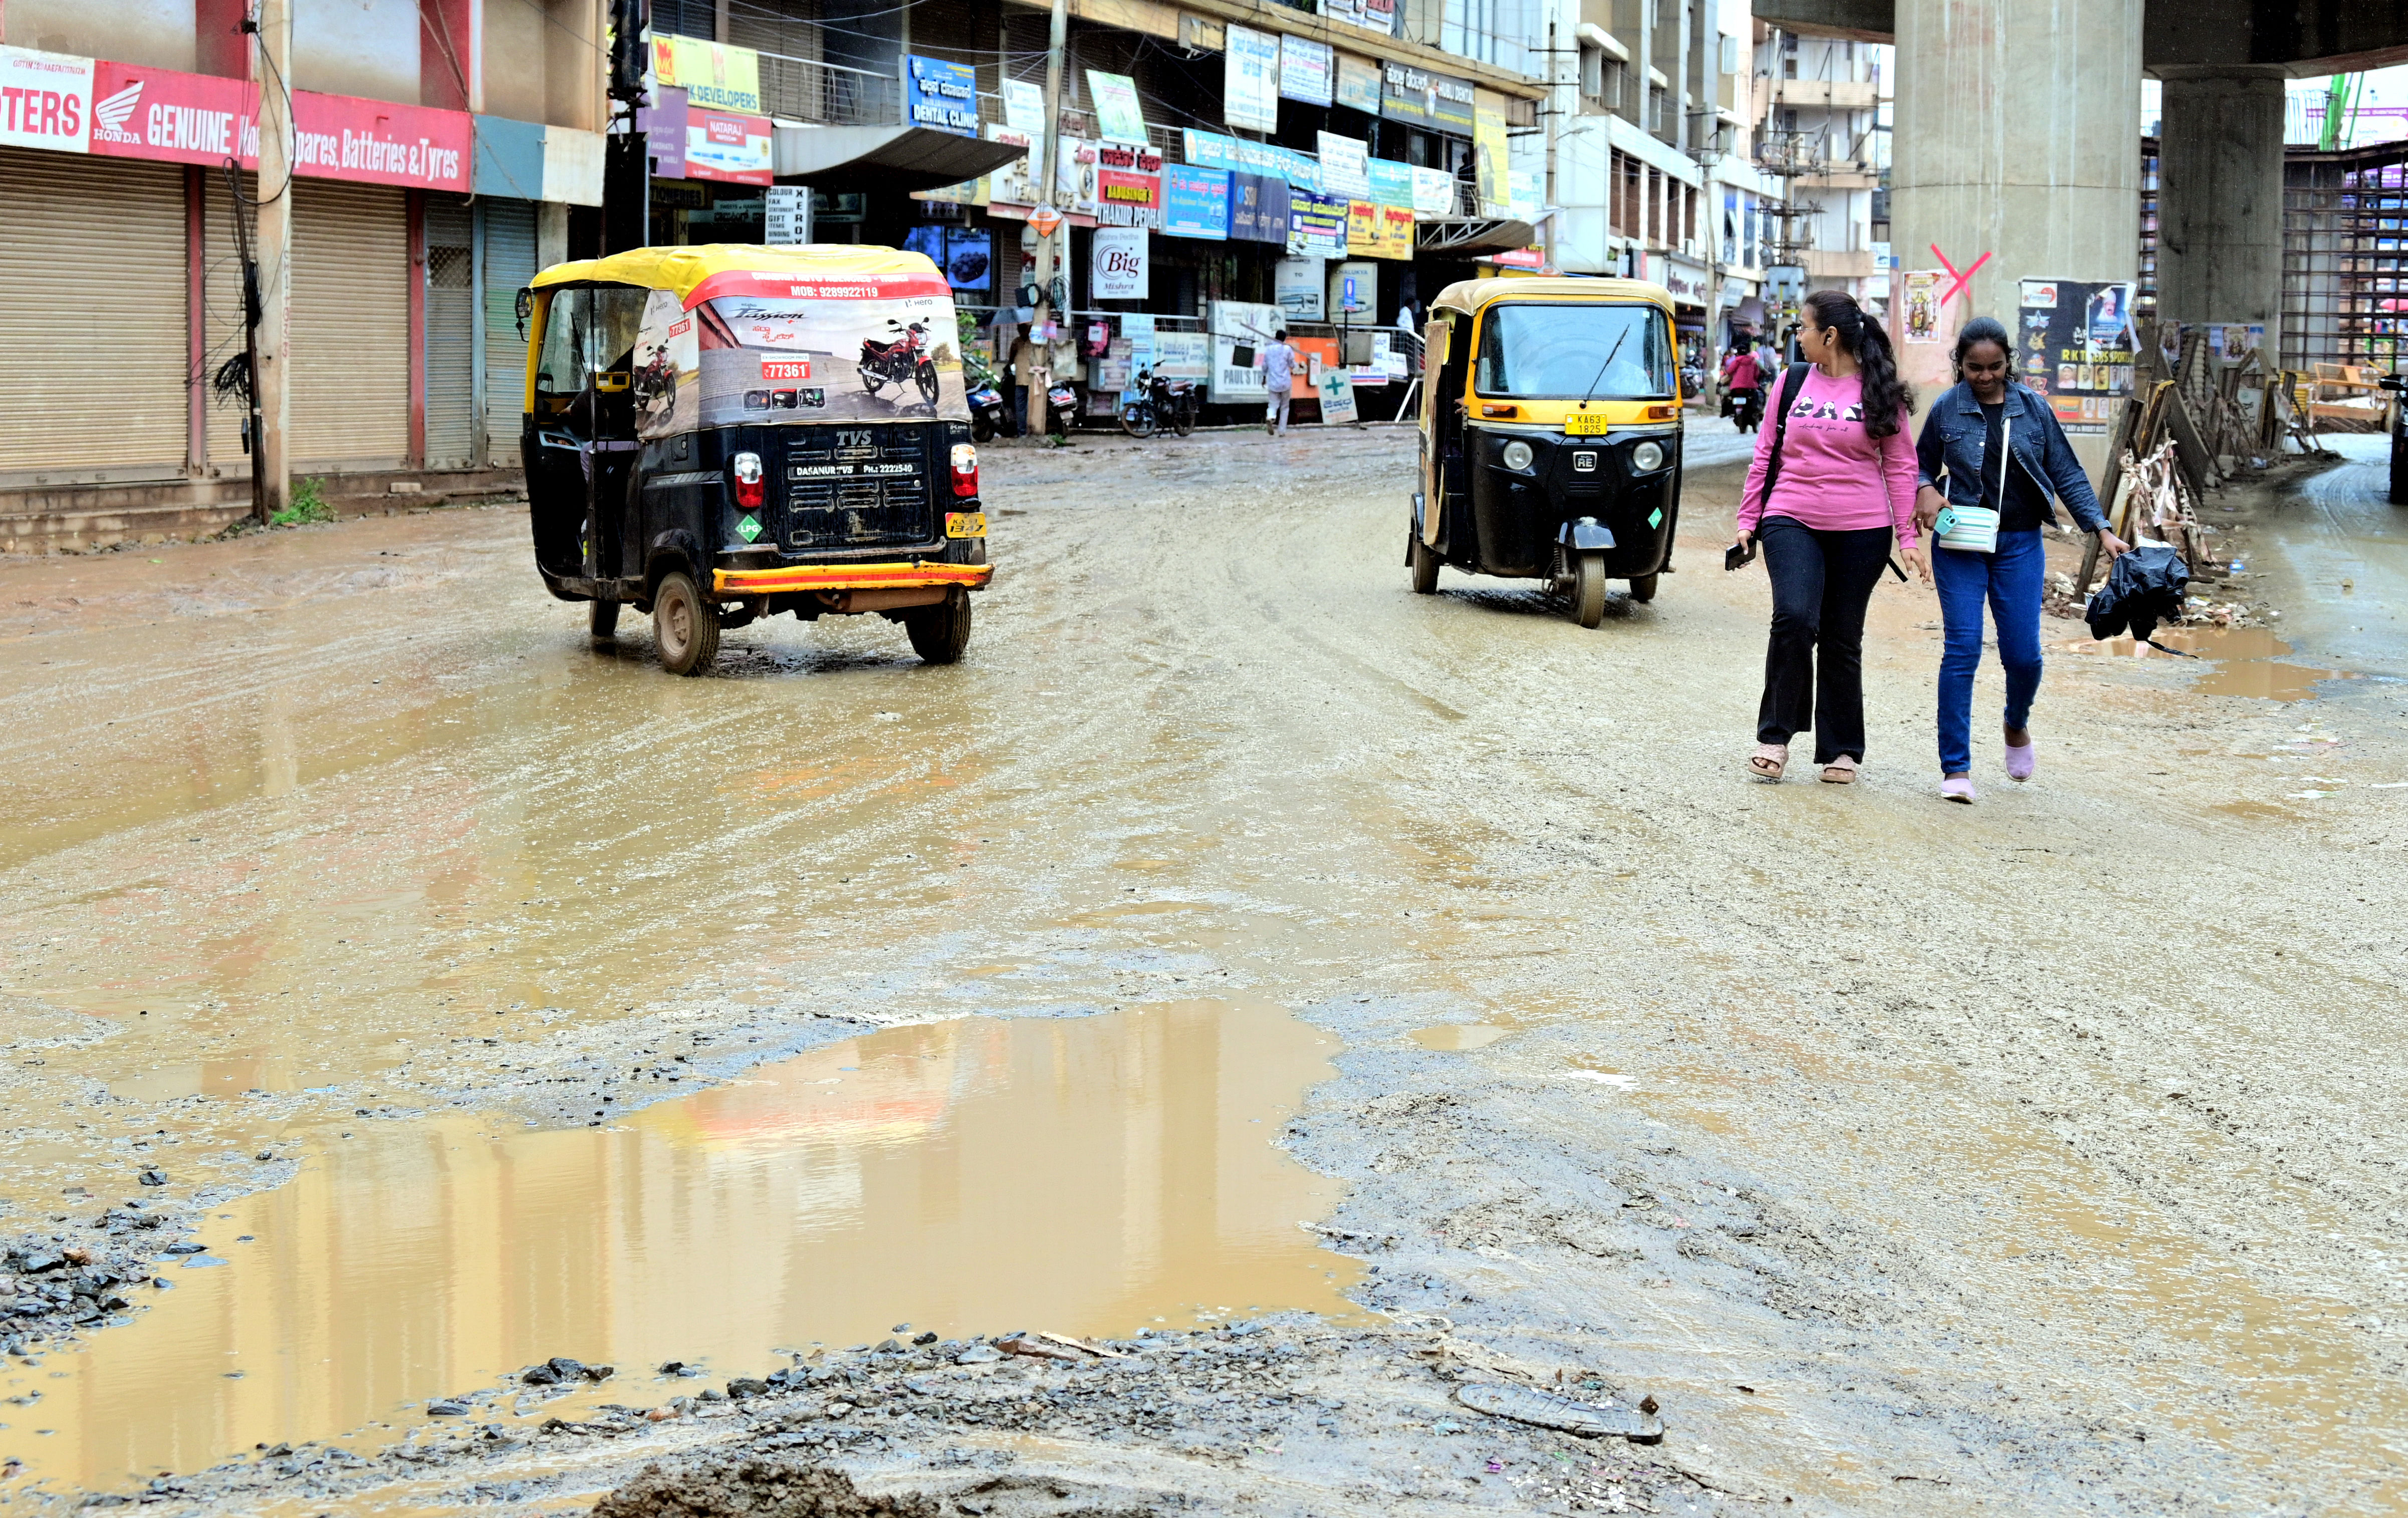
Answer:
[(1543, 352)]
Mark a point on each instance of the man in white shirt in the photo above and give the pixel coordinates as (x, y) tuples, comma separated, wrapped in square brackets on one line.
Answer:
[(1279, 377)]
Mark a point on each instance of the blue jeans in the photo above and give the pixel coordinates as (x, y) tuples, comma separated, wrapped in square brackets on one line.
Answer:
[(2011, 580)]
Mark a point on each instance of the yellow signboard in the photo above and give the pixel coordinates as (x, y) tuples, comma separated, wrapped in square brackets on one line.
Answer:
[(1490, 151), (711, 74)]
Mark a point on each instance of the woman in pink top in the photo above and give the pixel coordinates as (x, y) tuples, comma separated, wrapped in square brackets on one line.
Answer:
[(1843, 488)]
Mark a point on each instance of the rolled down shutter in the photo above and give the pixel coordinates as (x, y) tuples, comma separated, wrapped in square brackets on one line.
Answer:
[(451, 335), (224, 335), (509, 264), (350, 367), (93, 300)]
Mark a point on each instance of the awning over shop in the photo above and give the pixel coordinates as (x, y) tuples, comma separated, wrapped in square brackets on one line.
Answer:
[(1468, 234), (840, 158)]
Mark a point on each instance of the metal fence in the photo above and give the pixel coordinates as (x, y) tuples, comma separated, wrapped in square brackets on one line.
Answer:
[(828, 94)]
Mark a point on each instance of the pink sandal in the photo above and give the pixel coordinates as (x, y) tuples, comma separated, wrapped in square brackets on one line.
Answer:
[(1957, 788), (2021, 761), (1839, 771), (1768, 760)]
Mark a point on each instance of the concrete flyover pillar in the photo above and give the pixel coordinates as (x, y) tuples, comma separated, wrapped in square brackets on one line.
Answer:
[(2220, 199), (2017, 135)]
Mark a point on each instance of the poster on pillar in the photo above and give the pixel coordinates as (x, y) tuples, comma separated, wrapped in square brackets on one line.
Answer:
[(1924, 322), (2074, 345)]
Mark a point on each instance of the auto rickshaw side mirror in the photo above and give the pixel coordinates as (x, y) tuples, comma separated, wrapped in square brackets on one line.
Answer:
[(526, 308)]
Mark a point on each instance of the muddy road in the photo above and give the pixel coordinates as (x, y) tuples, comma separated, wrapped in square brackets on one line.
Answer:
[(1234, 938)]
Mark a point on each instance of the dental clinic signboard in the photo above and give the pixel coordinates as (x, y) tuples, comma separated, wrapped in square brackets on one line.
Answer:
[(943, 96), (123, 110)]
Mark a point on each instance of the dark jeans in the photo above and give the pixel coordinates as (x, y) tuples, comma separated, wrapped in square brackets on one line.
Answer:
[(1820, 582)]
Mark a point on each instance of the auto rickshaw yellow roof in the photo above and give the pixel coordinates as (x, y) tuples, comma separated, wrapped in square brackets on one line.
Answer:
[(1468, 296), (683, 270)]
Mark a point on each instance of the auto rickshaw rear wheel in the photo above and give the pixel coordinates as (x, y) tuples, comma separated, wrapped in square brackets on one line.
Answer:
[(1642, 588), (686, 626), (602, 619), (940, 633), (1588, 588), (1425, 561)]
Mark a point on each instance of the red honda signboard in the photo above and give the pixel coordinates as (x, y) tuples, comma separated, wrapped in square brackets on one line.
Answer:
[(158, 113), (178, 118)]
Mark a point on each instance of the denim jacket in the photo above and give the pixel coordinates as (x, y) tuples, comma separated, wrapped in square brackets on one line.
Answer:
[(1954, 435)]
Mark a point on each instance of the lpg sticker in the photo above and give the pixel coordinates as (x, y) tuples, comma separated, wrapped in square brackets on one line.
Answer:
[(785, 369)]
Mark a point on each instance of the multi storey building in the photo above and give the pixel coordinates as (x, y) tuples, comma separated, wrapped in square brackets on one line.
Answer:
[(1823, 126)]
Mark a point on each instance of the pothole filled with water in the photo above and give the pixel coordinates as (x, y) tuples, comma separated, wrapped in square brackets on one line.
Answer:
[(1088, 1176)]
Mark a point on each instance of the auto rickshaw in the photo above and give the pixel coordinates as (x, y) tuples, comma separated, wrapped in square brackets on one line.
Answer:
[(717, 434), (1550, 437)]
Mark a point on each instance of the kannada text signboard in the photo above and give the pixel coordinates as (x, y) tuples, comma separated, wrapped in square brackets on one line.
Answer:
[(1249, 86), (943, 95)]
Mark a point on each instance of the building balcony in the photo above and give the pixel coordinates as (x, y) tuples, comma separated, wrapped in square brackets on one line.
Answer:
[(1829, 94), (1840, 176), (1839, 263)]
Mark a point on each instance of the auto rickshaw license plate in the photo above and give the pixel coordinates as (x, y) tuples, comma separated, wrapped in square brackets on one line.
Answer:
[(965, 524), (1585, 424)]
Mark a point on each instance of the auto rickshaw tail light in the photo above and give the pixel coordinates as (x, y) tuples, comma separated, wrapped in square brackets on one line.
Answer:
[(748, 482), (965, 470)]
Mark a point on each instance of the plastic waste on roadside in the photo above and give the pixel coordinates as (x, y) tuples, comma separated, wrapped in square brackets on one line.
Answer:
[(2145, 588)]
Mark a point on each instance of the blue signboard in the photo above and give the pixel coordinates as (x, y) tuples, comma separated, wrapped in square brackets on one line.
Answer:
[(1392, 184), (942, 95), (1195, 202), (1258, 205)]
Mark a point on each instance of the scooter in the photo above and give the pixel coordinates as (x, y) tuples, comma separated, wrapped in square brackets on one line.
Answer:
[(1061, 408), (986, 411)]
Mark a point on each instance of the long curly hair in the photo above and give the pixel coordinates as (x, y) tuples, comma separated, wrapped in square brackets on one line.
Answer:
[(1886, 394)]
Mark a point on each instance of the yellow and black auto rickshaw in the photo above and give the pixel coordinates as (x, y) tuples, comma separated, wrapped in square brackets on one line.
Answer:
[(1550, 436), (717, 434)]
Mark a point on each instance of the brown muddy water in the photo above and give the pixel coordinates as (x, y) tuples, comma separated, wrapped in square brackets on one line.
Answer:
[(2237, 661), (1083, 1175)]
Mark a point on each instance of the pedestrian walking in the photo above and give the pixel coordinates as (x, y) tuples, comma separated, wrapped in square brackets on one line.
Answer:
[(2001, 453), (1279, 377), (1831, 486), (1739, 381)]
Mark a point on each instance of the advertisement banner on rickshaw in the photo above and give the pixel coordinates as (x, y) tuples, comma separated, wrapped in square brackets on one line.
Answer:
[(764, 349)]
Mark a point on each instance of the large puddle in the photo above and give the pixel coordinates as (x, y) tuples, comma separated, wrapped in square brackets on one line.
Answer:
[(2235, 661), (1082, 1175)]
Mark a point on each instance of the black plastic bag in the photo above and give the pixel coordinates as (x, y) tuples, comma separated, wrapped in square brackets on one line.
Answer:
[(2145, 588)]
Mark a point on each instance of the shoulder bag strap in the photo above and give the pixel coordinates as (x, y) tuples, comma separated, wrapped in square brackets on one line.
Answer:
[(1795, 376)]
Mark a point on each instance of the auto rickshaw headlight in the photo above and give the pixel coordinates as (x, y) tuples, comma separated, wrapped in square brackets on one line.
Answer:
[(965, 470), (1515, 454), (1647, 457), (748, 481)]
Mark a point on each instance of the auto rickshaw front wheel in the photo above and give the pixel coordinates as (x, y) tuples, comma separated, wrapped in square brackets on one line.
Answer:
[(940, 633), (1642, 588), (686, 626), (1588, 588)]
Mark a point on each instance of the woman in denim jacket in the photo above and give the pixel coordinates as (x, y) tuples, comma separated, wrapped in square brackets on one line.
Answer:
[(1999, 446)]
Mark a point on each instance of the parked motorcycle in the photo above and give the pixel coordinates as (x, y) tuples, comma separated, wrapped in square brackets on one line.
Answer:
[(1160, 402), (1061, 408), (904, 360)]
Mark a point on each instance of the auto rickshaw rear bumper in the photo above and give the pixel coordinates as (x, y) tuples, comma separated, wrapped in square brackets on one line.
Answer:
[(848, 577)]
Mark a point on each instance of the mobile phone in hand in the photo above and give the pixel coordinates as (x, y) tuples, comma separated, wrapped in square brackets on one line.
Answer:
[(1735, 555)]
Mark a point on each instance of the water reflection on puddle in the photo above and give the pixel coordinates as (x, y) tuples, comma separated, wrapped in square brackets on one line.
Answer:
[(1088, 1176), (2238, 661), (1458, 1036)]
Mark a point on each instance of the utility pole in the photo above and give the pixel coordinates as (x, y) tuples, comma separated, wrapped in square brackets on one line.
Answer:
[(627, 169), (1047, 186), (271, 69)]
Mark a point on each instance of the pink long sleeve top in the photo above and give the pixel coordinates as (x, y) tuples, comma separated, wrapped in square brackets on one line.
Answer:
[(1833, 475)]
